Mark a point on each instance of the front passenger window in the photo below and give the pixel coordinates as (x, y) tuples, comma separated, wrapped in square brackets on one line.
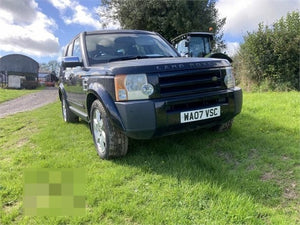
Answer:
[(76, 49)]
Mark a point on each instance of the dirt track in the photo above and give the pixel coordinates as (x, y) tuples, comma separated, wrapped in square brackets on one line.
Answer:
[(28, 102)]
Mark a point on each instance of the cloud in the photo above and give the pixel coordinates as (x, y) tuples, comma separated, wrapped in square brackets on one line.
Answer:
[(61, 4), (27, 30), (74, 13), (245, 15), (232, 48), (81, 15), (21, 11)]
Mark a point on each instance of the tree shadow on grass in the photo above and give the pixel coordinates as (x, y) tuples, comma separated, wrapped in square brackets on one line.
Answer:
[(235, 160)]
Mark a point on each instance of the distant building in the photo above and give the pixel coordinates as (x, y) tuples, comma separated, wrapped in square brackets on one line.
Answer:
[(47, 79), (42, 78), (19, 71)]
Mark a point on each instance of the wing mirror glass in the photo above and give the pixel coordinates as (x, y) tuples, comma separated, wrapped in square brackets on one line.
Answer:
[(71, 61)]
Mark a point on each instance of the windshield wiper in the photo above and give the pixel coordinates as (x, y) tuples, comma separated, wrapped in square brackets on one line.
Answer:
[(122, 58), (135, 57)]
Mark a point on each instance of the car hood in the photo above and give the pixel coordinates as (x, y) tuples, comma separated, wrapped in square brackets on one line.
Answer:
[(159, 65)]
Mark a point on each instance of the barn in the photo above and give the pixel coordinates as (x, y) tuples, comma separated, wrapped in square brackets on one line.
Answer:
[(19, 71)]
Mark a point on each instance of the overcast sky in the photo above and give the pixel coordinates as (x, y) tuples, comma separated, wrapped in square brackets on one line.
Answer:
[(245, 15), (40, 28)]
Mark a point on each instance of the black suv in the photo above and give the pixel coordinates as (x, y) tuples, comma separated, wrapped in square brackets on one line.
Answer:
[(129, 83)]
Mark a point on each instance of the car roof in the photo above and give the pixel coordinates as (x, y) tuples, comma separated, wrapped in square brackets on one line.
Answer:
[(112, 32), (183, 36), (200, 33), (119, 32)]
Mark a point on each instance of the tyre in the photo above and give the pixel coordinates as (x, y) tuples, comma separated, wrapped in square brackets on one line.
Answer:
[(224, 126), (68, 115), (108, 140)]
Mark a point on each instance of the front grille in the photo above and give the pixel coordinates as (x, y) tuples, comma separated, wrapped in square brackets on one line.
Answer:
[(182, 83), (200, 103)]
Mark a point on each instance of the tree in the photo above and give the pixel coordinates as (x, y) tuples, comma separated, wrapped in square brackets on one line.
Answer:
[(169, 18), (270, 56), (51, 67)]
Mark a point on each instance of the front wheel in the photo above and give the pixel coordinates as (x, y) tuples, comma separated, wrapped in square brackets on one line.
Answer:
[(109, 141)]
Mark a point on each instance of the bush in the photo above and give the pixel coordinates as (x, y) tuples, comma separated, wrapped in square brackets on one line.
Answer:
[(269, 58)]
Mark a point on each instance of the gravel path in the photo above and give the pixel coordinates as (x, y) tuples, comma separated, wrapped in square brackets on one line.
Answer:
[(29, 102)]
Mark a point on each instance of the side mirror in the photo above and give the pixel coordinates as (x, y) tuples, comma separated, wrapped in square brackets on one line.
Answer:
[(71, 61)]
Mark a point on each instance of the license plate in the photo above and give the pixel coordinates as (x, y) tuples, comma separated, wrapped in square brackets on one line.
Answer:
[(200, 114)]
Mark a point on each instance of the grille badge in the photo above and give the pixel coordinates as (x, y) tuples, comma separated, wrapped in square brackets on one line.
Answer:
[(214, 78)]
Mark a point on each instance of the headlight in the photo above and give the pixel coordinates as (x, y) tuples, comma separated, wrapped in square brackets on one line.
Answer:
[(229, 78), (132, 87)]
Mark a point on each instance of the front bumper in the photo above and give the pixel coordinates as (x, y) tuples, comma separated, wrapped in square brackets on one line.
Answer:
[(159, 117)]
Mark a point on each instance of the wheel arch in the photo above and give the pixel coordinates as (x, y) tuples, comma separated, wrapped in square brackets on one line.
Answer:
[(61, 92), (97, 91)]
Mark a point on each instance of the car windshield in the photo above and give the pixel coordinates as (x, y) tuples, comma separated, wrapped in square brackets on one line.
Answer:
[(103, 48)]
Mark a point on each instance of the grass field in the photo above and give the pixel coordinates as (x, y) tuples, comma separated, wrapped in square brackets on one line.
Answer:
[(8, 94), (248, 175)]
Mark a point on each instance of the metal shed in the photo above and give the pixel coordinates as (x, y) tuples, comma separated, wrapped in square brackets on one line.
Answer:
[(19, 71)]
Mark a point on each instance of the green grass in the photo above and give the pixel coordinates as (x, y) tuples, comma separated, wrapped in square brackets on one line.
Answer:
[(9, 94), (248, 175)]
